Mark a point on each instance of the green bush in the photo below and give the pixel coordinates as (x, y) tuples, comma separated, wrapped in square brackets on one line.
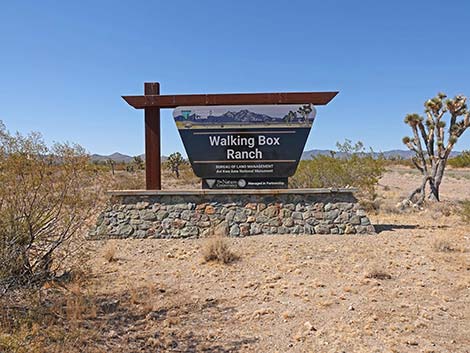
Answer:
[(399, 161), (354, 169), (461, 161)]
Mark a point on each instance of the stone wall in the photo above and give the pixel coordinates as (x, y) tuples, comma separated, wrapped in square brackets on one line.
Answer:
[(164, 214)]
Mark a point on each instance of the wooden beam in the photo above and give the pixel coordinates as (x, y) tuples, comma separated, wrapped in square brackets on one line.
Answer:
[(173, 101), (153, 174)]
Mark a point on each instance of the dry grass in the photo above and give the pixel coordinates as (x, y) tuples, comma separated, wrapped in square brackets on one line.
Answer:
[(443, 245), (134, 295), (217, 249), (123, 180), (49, 319), (465, 209), (110, 253)]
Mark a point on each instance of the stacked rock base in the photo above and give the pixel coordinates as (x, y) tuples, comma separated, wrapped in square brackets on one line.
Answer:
[(238, 213)]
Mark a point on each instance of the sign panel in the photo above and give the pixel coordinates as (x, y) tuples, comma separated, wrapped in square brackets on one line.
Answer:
[(244, 142)]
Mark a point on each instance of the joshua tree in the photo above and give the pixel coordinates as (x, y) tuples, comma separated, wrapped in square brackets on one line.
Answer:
[(175, 160), (111, 163), (429, 144), (290, 117), (305, 110), (138, 162)]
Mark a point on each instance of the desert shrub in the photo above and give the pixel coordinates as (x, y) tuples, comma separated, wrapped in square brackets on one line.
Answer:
[(110, 253), (354, 168), (46, 195), (377, 273), (460, 161), (217, 249), (398, 161), (99, 167), (466, 211), (443, 245), (130, 168)]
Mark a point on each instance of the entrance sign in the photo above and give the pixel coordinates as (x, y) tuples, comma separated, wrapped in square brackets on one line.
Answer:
[(152, 102), (255, 146)]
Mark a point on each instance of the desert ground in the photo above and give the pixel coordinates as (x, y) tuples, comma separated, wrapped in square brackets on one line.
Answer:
[(406, 289)]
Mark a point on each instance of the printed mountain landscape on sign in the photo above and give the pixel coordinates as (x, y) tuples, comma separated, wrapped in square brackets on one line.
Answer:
[(287, 115)]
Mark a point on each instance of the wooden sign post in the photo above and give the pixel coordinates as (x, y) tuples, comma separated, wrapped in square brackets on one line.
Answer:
[(152, 102), (153, 175)]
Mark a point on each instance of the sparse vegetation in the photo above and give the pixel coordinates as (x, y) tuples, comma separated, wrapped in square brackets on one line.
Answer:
[(429, 143), (465, 206), (124, 180), (175, 303), (461, 161), (356, 169), (395, 161), (47, 319), (138, 162)]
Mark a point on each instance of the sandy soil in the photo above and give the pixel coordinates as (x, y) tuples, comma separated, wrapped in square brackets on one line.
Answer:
[(406, 289), (402, 180)]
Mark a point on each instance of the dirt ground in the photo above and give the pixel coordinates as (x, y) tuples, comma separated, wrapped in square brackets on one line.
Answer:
[(406, 289)]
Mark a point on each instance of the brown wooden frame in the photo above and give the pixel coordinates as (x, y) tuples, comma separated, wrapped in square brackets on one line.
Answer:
[(152, 102)]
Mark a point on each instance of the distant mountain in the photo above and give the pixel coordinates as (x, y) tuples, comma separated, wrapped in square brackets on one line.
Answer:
[(313, 153), (116, 157), (123, 158), (404, 154)]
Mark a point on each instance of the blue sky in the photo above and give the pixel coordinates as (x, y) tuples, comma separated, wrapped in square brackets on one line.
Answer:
[(65, 64)]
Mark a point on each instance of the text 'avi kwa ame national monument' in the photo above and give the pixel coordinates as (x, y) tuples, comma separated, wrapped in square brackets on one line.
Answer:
[(244, 147)]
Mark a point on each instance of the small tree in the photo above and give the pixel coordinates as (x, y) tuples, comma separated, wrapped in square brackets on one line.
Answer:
[(429, 143), (174, 162)]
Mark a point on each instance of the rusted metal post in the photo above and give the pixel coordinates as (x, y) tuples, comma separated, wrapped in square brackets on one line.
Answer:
[(153, 174)]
